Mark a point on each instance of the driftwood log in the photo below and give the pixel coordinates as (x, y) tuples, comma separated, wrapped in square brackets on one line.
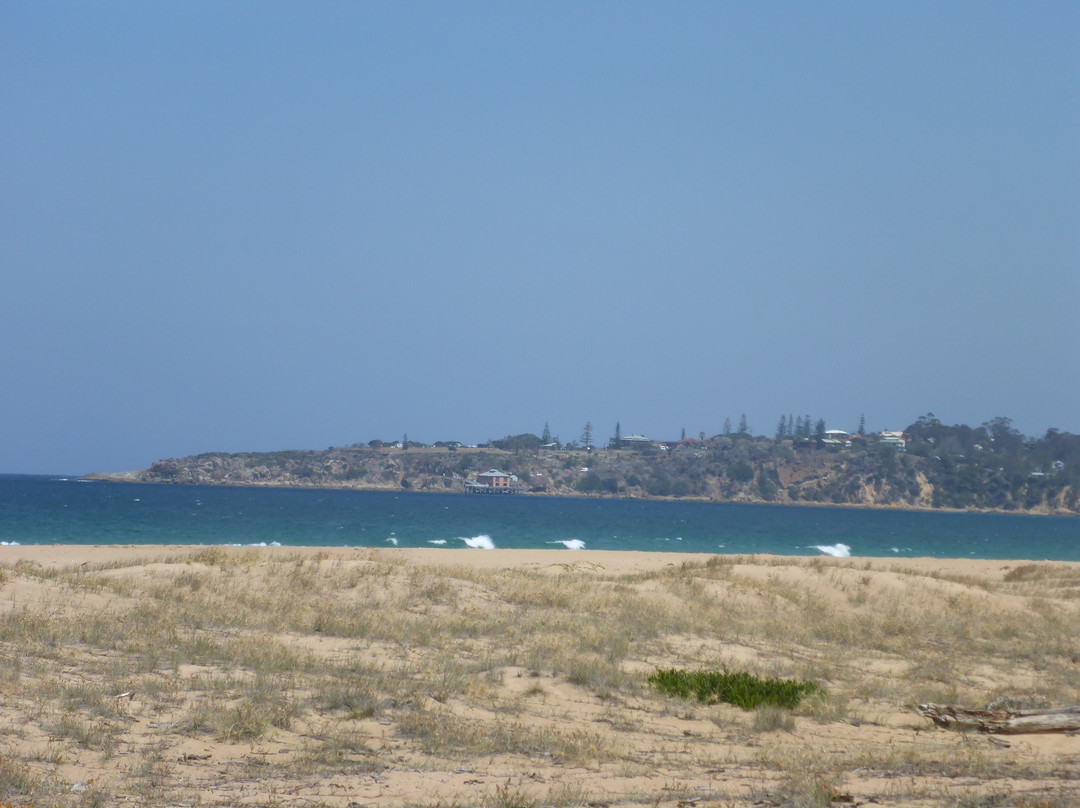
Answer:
[(1003, 722)]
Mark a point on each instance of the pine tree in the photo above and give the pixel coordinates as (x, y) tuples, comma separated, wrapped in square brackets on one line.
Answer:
[(616, 442), (744, 428), (586, 436), (727, 426), (781, 430), (862, 424), (546, 437)]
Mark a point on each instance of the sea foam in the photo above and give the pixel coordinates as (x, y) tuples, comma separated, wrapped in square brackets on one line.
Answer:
[(570, 544), (479, 542), (437, 541), (834, 550)]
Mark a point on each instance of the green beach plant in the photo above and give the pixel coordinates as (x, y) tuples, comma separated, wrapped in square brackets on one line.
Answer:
[(739, 688)]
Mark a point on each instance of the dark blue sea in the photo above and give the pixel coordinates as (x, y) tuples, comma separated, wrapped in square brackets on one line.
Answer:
[(53, 510)]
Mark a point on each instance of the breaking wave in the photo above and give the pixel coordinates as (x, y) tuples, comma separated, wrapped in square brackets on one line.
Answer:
[(479, 542), (570, 544), (834, 550)]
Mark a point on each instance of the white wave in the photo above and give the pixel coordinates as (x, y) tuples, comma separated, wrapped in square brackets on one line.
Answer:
[(834, 550), (9, 544), (570, 544), (392, 540), (479, 542), (255, 544), (437, 541)]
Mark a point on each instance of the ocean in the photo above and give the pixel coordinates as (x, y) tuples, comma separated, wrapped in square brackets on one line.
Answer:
[(57, 510)]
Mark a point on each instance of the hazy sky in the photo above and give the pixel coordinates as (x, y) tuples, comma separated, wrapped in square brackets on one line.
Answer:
[(256, 225)]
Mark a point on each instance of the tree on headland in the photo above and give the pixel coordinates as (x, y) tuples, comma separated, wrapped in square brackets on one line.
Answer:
[(781, 429), (744, 427), (616, 441), (1006, 440), (546, 437), (526, 442), (862, 424), (586, 436), (727, 426)]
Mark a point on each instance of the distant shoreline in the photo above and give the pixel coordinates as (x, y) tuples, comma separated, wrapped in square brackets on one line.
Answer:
[(615, 562), (132, 478)]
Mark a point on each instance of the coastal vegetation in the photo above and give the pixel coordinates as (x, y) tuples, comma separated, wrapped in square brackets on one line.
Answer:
[(928, 465), (334, 678), (741, 688)]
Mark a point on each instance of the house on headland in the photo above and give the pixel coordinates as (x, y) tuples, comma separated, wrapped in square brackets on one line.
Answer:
[(494, 481), (893, 440), (632, 442)]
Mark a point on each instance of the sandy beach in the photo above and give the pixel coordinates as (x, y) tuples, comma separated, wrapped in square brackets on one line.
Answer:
[(137, 675)]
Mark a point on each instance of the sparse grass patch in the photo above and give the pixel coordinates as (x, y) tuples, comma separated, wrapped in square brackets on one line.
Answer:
[(443, 733), (602, 677), (356, 700), (808, 790), (337, 748), (507, 797), (89, 734), (265, 702), (16, 779), (770, 718)]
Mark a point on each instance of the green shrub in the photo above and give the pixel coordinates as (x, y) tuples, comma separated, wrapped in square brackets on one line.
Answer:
[(740, 688)]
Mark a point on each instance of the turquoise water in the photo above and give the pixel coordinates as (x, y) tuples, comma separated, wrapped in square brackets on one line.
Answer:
[(49, 510)]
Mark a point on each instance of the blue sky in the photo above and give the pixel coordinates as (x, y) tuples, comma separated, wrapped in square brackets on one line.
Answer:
[(251, 226)]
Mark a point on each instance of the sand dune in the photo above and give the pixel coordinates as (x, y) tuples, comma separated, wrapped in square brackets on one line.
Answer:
[(334, 677)]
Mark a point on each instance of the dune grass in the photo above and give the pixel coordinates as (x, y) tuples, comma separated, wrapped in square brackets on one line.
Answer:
[(173, 679)]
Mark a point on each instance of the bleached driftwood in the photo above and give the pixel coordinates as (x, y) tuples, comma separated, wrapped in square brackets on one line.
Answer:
[(1003, 722)]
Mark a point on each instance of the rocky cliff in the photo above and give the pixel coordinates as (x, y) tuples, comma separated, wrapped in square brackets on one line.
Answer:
[(723, 469)]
